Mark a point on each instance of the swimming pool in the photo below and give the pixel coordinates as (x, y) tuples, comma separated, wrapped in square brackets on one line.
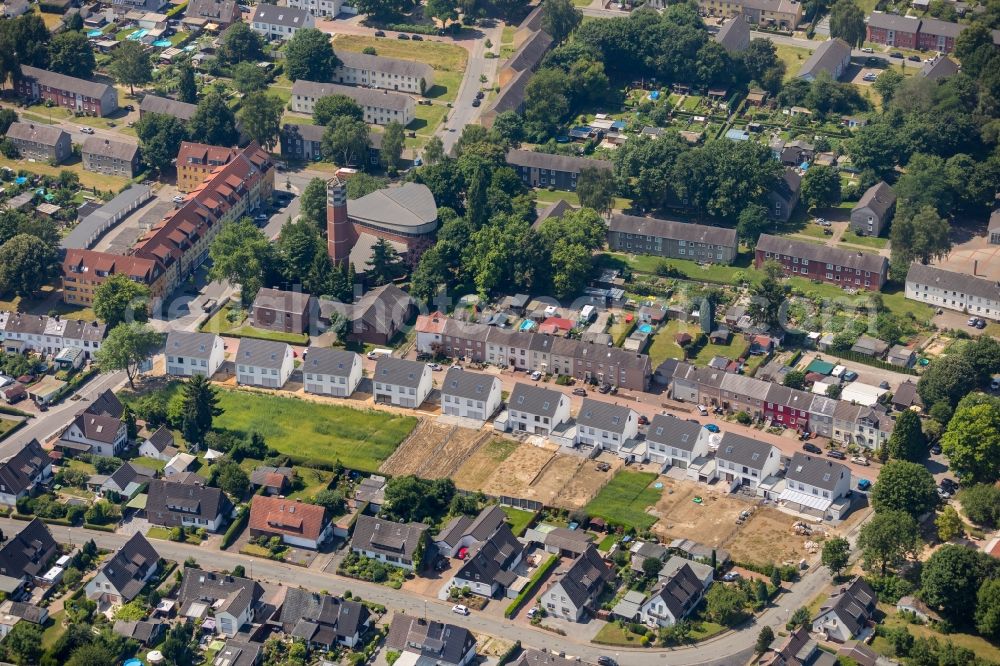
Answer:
[(133, 662), (137, 35), (21, 180), (526, 325), (646, 328), (95, 33), (162, 43)]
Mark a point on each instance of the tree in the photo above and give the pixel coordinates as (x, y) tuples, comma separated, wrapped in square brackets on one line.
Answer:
[(768, 302), (260, 118), (26, 264), (950, 580), (26, 39), (596, 189), (241, 44), (887, 540), (385, 263), (7, 118), (764, 639), (752, 223), (345, 142), (800, 618), (949, 524), (972, 441), (847, 21), (24, 643), (442, 10), (126, 346), (907, 441), (546, 101), (331, 500), (214, 122), (393, 141), (249, 78), (795, 379), (433, 151), (651, 566), (725, 604), (836, 555), (160, 136), (187, 88), (309, 55), (70, 54), (119, 299), (904, 486), (921, 237), (230, 478), (94, 654), (334, 106), (887, 84), (560, 18), (988, 609), (981, 504), (763, 65), (821, 186), (409, 498), (312, 205), (130, 65), (508, 127), (200, 405), (874, 148), (178, 647), (241, 254)]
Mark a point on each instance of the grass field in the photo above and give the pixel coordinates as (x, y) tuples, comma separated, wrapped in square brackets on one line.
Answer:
[(692, 270), (313, 481), (220, 324), (6, 425), (624, 500), (518, 519), (737, 345), (663, 345), (793, 57), (980, 646), (866, 241), (88, 179), (150, 463), (549, 197), (361, 440), (163, 534)]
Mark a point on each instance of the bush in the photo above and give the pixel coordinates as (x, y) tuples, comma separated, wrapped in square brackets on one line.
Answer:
[(529, 589), (236, 527)]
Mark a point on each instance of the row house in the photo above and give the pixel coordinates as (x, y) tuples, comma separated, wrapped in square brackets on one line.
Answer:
[(671, 239), (605, 425), (328, 371), (955, 291), (746, 462), (845, 268), (470, 395), (280, 23), (379, 107), (325, 8), (671, 441), (189, 353), (780, 14), (403, 383), (68, 92), (545, 169), (536, 410), (375, 71), (438, 334), (787, 406), (865, 426), (21, 333)]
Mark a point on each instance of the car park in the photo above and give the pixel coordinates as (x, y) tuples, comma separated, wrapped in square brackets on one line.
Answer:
[(812, 448), (838, 455)]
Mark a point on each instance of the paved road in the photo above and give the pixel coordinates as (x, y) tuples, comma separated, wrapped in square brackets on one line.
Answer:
[(463, 113), (731, 648)]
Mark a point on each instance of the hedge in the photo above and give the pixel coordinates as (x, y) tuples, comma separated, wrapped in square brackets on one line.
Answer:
[(10, 432), (175, 11), (100, 528), (233, 531), (508, 655), (529, 589), (47, 521), (75, 382), (874, 362), (10, 411), (413, 28)]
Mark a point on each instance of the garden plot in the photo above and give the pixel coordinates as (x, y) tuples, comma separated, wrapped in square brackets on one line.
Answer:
[(514, 476), (482, 464), (712, 522), (586, 482), (768, 537)]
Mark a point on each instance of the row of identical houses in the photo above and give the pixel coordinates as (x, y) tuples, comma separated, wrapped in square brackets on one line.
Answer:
[(919, 34), (48, 143), (21, 333)]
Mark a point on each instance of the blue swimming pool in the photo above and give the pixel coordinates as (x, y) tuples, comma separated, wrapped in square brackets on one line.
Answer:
[(95, 33), (645, 328), (162, 43), (21, 180), (132, 662), (526, 325), (138, 34)]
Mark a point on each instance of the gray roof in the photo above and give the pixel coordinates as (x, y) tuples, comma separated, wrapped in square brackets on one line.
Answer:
[(479, 528), (438, 643), (853, 604), (906, 395), (167, 106), (879, 198), (329, 361), (744, 451), (680, 591), (106, 403), (131, 473), (305, 132), (261, 353), (893, 22), (19, 469), (47, 135), (529, 55), (320, 618), (464, 384), (670, 229), (788, 186), (64, 82), (567, 163), (121, 150), (220, 11), (261, 476), (162, 439), (534, 399), (826, 57), (399, 371), (87, 229), (672, 431), (378, 63), (190, 345), (489, 561), (382, 99), (939, 68), (129, 566), (814, 471), (532, 657), (511, 96), (27, 553), (171, 498), (554, 210), (409, 205), (145, 632), (385, 536), (237, 594), (933, 26), (382, 309), (289, 17), (587, 575), (866, 344), (733, 33), (279, 300), (238, 653), (604, 415), (823, 254), (960, 282)]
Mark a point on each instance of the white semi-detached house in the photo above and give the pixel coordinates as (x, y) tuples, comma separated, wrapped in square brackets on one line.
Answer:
[(605, 425), (281, 23), (380, 107), (671, 441), (263, 363), (745, 462), (954, 291), (536, 410), (97, 434), (816, 486), (190, 354), (375, 71), (325, 8), (470, 395), (402, 383), (327, 371)]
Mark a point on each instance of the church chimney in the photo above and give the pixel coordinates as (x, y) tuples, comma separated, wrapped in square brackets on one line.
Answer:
[(338, 227)]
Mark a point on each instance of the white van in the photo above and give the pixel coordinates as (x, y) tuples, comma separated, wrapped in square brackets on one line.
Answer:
[(378, 352)]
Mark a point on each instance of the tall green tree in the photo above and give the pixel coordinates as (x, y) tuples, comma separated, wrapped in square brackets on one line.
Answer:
[(70, 54), (949, 524), (130, 65), (187, 88), (988, 609), (836, 555), (241, 44), (847, 22), (260, 118), (385, 264), (26, 264), (345, 142), (243, 255), (24, 643), (972, 441), (200, 406), (393, 141), (560, 18), (249, 78), (821, 187), (312, 205), (764, 639), (126, 347), (27, 40), (887, 84), (950, 580), (309, 55), (904, 486), (768, 301), (907, 441), (887, 540), (213, 122), (119, 300), (753, 221), (921, 237), (433, 151), (596, 189), (160, 136), (981, 504), (334, 106), (442, 10)]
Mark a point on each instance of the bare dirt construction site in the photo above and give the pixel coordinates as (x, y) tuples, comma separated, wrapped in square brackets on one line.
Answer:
[(515, 474), (433, 451), (587, 481), (475, 471), (768, 537), (712, 522)]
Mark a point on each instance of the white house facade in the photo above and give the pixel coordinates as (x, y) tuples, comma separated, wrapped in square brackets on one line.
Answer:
[(401, 383), (264, 363), (327, 371), (470, 395), (190, 354)]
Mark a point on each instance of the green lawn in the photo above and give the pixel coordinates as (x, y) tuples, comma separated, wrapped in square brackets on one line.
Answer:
[(220, 324), (737, 345), (151, 463), (53, 630), (613, 634), (865, 241), (73, 463), (88, 179), (518, 519), (360, 439), (980, 646), (692, 270), (793, 57), (507, 35), (606, 543), (6, 425), (543, 196), (163, 534), (313, 481), (664, 346), (624, 500)]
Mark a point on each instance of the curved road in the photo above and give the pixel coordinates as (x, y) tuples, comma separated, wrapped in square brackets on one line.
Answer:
[(731, 648)]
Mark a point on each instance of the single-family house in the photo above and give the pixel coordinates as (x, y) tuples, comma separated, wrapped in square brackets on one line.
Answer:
[(399, 544), (745, 462), (321, 620), (536, 410), (239, 653), (671, 441), (274, 480), (423, 641), (918, 608), (673, 598), (12, 612), (846, 614), (283, 311), (799, 649), (127, 480), (26, 556), (232, 600), (21, 472), (488, 565), (159, 445), (98, 434), (816, 486), (263, 363), (401, 382), (605, 425), (174, 504), (121, 578), (179, 464), (871, 215), (470, 395), (329, 371), (144, 632), (190, 353), (297, 523), (573, 595)]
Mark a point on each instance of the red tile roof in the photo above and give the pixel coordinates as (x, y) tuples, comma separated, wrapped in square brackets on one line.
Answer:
[(284, 516)]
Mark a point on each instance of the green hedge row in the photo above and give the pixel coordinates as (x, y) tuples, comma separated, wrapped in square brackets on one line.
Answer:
[(234, 530), (75, 382), (10, 411), (412, 28), (100, 528), (47, 521), (529, 589), (874, 362), (176, 11)]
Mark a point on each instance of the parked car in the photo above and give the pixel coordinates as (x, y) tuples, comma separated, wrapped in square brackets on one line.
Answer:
[(703, 410), (476, 102), (870, 76), (935, 449), (973, 321), (864, 484), (580, 391), (838, 455), (914, 58), (604, 388), (434, 366), (402, 36), (606, 661), (812, 448), (868, 49), (480, 95), (87, 130), (950, 484), (850, 376), (860, 460), (711, 427), (895, 54), (536, 375), (460, 609), (417, 38), (532, 612), (981, 324), (730, 576), (379, 33)]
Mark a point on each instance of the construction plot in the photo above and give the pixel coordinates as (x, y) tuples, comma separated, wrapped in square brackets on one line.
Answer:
[(769, 536), (515, 475), (550, 483), (417, 449), (456, 449), (711, 520), (587, 481), (483, 463)]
